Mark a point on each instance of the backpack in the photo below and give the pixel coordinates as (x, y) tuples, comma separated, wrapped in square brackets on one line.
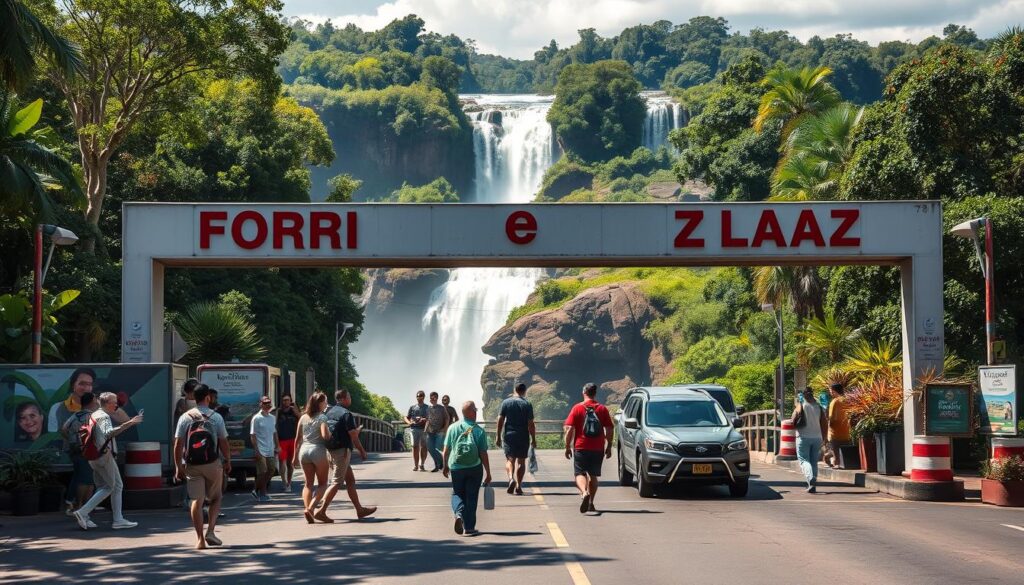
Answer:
[(73, 428), (200, 443), (591, 424), (338, 434), (87, 437), (465, 452)]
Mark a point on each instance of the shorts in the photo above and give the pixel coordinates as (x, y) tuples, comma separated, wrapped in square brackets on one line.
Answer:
[(417, 436), (313, 454), (340, 459), (265, 464), (587, 463), (205, 481), (516, 447), (287, 452)]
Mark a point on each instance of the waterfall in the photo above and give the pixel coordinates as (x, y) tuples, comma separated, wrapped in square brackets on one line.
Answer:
[(663, 116)]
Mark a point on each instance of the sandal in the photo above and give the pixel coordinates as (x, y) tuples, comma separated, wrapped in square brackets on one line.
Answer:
[(322, 516), (308, 515)]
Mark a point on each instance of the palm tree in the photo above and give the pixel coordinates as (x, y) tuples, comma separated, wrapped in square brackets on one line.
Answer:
[(29, 169), (22, 36), (799, 287), (827, 339), (869, 362), (816, 154), (218, 333), (793, 95), (799, 177)]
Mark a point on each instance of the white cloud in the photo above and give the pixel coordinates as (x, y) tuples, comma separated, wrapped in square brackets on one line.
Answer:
[(517, 28)]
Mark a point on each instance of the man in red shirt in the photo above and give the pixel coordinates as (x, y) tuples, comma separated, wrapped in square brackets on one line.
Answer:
[(588, 436)]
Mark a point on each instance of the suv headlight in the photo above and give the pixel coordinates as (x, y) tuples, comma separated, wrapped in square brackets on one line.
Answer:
[(658, 446), (737, 445)]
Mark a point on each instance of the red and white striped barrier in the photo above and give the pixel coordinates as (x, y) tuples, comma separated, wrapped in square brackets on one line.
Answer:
[(1007, 446), (142, 469), (931, 460), (787, 441)]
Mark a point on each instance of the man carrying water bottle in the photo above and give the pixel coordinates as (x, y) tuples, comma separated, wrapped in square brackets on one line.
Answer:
[(465, 460)]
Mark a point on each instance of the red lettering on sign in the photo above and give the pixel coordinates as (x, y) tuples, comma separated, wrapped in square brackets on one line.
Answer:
[(521, 227), (206, 227), (727, 240), (849, 217), (768, 228), (288, 223), (352, 241), (693, 217), (807, 229), (261, 230), (324, 223)]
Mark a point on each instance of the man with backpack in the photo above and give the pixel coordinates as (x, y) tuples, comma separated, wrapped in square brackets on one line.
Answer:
[(82, 485), (344, 434), (588, 437), (465, 460), (99, 448), (199, 436)]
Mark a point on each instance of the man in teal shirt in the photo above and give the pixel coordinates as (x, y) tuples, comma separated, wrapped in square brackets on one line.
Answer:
[(465, 459)]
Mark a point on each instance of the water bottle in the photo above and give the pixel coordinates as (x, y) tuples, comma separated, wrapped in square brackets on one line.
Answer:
[(488, 497)]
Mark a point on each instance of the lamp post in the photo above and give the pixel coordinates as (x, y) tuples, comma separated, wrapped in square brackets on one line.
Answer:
[(780, 389), (58, 237), (969, 229), (337, 339)]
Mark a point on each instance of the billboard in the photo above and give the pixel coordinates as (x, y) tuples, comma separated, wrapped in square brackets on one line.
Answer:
[(948, 409), (239, 389), (37, 399), (998, 399)]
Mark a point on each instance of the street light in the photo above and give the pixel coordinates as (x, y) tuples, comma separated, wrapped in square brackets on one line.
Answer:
[(969, 230), (780, 390), (58, 237), (337, 339)]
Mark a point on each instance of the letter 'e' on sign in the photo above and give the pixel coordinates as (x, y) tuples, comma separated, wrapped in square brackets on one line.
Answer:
[(521, 227)]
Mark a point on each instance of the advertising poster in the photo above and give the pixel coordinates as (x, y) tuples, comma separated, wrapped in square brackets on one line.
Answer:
[(36, 401), (239, 389), (949, 410), (998, 399)]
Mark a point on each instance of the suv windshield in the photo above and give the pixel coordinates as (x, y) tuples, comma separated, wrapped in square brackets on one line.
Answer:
[(723, 397), (684, 413)]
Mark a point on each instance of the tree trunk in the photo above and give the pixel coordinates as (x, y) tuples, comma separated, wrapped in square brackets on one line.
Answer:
[(95, 170)]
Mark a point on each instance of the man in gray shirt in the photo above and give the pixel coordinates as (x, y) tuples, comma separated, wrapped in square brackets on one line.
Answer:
[(199, 436), (104, 468)]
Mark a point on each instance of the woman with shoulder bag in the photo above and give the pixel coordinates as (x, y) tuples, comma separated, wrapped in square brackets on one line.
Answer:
[(811, 425)]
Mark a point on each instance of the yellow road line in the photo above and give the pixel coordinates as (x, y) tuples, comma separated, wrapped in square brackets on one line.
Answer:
[(576, 572), (557, 536), (539, 497)]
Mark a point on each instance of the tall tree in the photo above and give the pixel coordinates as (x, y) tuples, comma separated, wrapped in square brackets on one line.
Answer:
[(143, 57), (816, 155), (22, 36), (793, 95)]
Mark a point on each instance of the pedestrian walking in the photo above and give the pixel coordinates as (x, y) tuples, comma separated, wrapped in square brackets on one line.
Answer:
[(838, 426), (263, 435), (465, 461), (103, 436), (311, 453), (588, 441), (202, 458), (287, 425), (188, 399), (811, 425), (434, 431), (82, 485), (516, 434), (416, 418), (453, 415), (343, 431)]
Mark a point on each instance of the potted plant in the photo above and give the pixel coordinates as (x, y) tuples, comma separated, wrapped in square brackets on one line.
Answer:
[(876, 411), (1002, 481), (25, 473)]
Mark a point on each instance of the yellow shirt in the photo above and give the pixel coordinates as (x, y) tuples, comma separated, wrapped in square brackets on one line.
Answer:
[(838, 420)]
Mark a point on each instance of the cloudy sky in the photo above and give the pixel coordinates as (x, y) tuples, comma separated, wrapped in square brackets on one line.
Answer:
[(516, 28)]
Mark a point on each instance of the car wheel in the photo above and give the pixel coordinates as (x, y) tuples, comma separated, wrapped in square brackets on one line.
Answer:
[(625, 477), (644, 487), (739, 488)]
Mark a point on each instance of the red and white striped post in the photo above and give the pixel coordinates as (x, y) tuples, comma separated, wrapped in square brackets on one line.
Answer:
[(931, 459), (1007, 446), (142, 469), (787, 441)]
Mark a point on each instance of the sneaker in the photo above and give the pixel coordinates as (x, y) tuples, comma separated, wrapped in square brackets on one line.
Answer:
[(82, 519), (255, 495), (435, 470), (264, 498), (69, 509), (458, 525), (122, 524), (812, 490), (471, 532), (519, 491), (585, 504), (90, 524), (212, 539), (592, 508), (511, 486)]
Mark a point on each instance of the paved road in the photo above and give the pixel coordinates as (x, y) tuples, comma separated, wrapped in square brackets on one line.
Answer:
[(778, 534)]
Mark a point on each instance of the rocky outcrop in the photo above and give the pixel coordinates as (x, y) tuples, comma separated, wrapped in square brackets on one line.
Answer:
[(385, 286), (597, 336)]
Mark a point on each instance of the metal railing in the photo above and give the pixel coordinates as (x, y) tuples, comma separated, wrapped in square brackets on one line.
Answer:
[(760, 429), (544, 427), (377, 436)]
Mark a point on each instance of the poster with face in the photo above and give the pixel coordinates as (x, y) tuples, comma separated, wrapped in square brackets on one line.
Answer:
[(35, 401)]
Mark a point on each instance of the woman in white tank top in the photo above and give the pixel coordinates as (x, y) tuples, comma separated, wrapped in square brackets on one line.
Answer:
[(811, 426)]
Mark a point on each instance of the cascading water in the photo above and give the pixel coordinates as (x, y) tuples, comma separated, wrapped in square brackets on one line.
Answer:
[(663, 116)]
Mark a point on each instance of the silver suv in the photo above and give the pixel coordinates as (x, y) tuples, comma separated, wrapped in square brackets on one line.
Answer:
[(679, 435)]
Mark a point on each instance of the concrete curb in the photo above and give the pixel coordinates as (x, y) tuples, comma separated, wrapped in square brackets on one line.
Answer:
[(894, 485)]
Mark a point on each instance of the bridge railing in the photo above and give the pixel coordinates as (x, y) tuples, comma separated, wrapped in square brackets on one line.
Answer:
[(760, 428), (544, 427), (377, 436)]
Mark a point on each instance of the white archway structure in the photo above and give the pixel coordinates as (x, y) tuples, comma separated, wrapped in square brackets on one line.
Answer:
[(907, 234)]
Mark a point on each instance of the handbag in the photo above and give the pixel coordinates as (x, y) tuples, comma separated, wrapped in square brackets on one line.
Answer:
[(488, 497)]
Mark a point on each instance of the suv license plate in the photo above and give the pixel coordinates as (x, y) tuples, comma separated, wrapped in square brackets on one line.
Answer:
[(701, 468)]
